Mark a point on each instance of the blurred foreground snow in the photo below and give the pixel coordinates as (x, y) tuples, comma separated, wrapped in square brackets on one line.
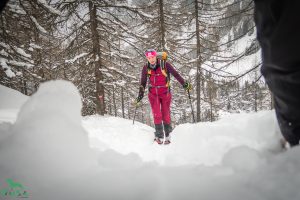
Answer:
[(56, 154)]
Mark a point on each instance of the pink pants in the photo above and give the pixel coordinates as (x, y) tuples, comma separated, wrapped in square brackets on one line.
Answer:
[(160, 105)]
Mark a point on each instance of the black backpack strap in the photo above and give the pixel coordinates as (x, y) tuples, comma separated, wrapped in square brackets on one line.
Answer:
[(164, 68)]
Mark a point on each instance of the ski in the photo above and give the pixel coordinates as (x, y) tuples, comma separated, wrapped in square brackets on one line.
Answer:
[(161, 141), (167, 142), (158, 140)]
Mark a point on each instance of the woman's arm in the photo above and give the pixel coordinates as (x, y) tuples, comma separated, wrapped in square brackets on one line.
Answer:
[(173, 71), (143, 82)]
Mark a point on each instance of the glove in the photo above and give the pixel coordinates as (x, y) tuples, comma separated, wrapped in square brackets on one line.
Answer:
[(187, 86), (137, 100)]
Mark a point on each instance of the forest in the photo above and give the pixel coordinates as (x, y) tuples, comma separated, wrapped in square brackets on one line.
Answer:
[(99, 45)]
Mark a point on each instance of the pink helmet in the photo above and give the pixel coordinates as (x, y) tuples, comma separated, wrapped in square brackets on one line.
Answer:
[(150, 53)]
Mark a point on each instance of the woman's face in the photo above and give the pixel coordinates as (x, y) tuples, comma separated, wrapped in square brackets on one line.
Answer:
[(151, 59)]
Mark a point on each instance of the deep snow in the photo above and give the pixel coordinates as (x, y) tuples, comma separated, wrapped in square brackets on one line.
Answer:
[(10, 103), (56, 154)]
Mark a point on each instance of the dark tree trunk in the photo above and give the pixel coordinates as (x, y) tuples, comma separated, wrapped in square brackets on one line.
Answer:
[(100, 104), (114, 101), (122, 102), (162, 25), (198, 78)]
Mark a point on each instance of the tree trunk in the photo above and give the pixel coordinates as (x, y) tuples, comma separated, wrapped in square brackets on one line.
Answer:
[(114, 101), (272, 100), (198, 81), (25, 91), (109, 105), (211, 112), (122, 102), (128, 105), (255, 97), (162, 25), (100, 103)]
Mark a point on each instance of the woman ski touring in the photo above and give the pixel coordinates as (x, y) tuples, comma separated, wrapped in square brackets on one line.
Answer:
[(157, 73)]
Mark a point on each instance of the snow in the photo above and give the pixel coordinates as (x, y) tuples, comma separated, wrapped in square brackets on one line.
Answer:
[(11, 98), (243, 158), (35, 46), (16, 8), (147, 15), (22, 52), (208, 141), (20, 64), (76, 58), (4, 45), (3, 53), (11, 101), (7, 69), (55, 153), (38, 26), (50, 8), (225, 63)]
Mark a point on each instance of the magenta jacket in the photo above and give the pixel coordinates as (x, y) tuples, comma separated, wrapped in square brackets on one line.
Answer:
[(157, 79)]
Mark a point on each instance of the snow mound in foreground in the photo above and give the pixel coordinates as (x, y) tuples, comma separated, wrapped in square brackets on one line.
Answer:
[(10, 103), (11, 98), (203, 143), (47, 141), (47, 151)]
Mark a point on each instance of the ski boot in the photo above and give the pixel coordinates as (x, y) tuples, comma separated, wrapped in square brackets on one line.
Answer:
[(159, 134), (168, 129)]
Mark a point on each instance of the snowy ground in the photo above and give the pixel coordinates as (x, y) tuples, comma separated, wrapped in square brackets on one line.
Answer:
[(55, 154)]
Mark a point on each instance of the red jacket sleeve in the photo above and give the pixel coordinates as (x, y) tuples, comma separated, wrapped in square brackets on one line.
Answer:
[(143, 82), (173, 71)]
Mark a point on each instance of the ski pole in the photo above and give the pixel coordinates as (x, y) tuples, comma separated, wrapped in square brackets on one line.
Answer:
[(191, 106), (134, 114)]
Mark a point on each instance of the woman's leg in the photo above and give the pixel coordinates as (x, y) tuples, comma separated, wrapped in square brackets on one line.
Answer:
[(155, 106), (165, 107)]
